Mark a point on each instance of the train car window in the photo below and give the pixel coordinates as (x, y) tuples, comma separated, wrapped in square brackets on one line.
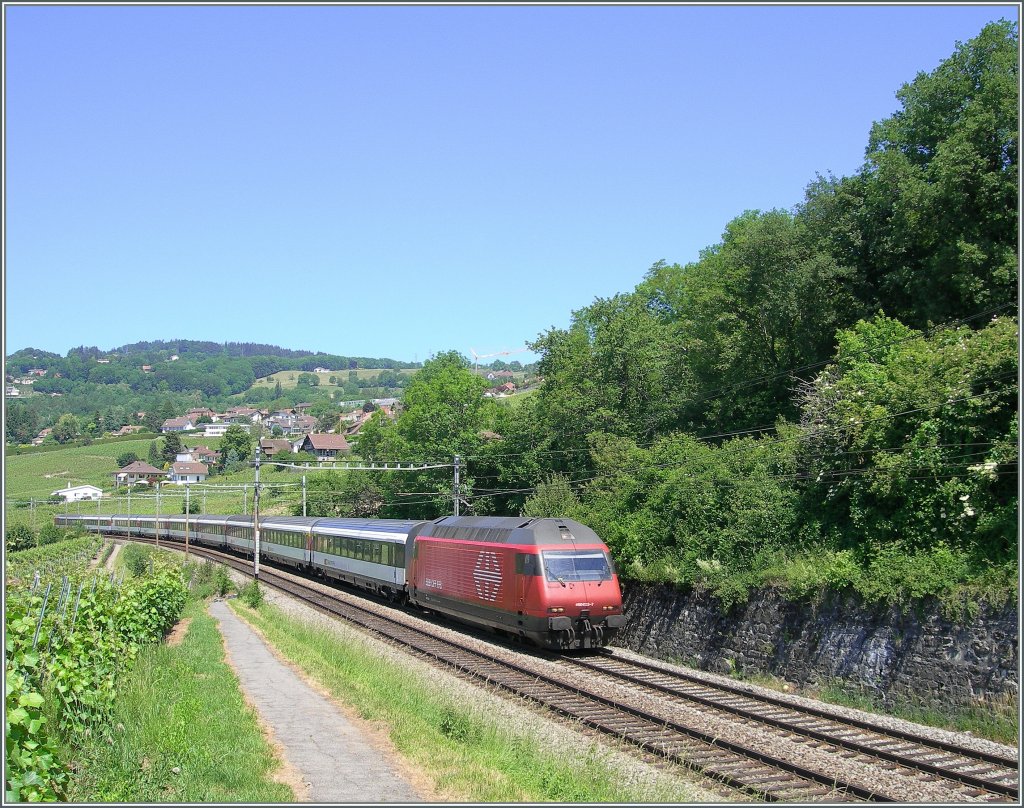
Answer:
[(399, 555), (376, 552), (576, 565)]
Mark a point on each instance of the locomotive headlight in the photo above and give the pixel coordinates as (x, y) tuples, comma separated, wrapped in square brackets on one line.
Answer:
[(555, 609), (608, 608)]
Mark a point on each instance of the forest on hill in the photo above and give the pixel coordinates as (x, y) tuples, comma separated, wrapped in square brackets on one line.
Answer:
[(826, 398), (106, 388)]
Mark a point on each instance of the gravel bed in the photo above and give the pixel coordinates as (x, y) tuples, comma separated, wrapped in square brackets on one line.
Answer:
[(901, 786), (964, 739)]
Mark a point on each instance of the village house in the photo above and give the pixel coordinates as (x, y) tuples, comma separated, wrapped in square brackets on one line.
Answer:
[(324, 445), (77, 493), (204, 454), (183, 424), (215, 430), (42, 436), (271, 446), (198, 412), (182, 473), (237, 414), (126, 430), (138, 472), (506, 389)]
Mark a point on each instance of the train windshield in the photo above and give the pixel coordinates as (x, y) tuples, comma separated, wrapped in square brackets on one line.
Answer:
[(576, 565)]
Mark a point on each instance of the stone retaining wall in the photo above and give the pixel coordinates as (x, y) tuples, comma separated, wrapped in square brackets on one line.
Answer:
[(881, 651)]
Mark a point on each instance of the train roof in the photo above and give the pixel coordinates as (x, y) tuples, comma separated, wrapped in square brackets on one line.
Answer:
[(510, 530), (392, 529), (287, 522)]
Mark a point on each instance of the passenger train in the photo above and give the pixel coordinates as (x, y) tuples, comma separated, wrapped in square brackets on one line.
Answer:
[(548, 581)]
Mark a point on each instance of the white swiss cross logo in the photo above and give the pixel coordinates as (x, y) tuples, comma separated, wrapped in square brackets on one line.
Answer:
[(487, 576)]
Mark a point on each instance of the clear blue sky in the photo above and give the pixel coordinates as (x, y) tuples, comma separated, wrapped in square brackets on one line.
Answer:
[(400, 181)]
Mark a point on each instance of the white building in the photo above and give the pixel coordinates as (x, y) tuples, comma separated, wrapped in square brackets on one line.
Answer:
[(76, 493), (182, 473), (215, 430)]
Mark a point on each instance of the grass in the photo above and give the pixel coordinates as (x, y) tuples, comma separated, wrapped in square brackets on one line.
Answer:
[(180, 707), (996, 722), (468, 754), (36, 475)]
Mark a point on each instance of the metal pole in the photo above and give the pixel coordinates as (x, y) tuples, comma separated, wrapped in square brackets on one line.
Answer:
[(245, 498), (188, 509), (129, 508), (455, 492), (256, 518), (158, 514), (303, 494)]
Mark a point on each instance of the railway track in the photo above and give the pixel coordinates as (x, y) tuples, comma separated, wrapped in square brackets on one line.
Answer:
[(987, 773), (748, 768)]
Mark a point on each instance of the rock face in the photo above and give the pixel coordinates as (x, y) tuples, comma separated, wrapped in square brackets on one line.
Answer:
[(837, 638)]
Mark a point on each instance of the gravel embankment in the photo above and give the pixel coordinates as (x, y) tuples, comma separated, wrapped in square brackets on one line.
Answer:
[(901, 786)]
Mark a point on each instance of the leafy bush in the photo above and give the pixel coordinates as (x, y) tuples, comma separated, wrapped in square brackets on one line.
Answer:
[(252, 595), (19, 537), (136, 558), (223, 581), (81, 650)]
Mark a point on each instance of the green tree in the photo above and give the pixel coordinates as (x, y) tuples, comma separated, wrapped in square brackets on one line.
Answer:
[(172, 446), (67, 428), (326, 414), (277, 389), (22, 423), (755, 308), (553, 497), (154, 455), (308, 380), (236, 440), (125, 459), (910, 440), (930, 222)]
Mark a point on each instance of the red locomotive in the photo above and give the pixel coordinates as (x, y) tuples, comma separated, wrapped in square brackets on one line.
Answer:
[(551, 581)]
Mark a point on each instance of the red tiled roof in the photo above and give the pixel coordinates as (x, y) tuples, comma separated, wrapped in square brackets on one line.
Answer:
[(324, 440), (139, 467)]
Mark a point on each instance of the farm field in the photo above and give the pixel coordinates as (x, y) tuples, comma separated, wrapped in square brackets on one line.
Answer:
[(289, 378), (31, 477), (36, 475)]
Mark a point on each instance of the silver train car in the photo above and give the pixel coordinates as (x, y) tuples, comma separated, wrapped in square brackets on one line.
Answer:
[(369, 553)]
